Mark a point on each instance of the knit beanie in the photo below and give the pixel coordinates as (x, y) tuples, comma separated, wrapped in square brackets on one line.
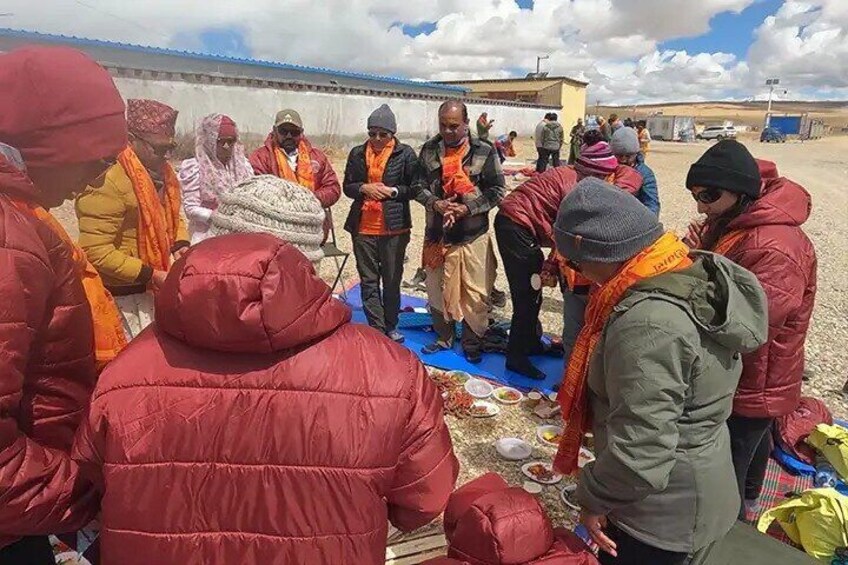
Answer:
[(600, 223), (268, 204), (727, 165), (625, 141), (596, 160), (383, 118)]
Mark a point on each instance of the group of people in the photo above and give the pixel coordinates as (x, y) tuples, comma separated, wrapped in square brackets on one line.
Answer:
[(252, 422)]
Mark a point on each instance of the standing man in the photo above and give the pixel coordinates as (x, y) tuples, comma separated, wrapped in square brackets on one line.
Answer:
[(542, 159), (605, 129), (461, 182), (61, 127), (288, 154), (484, 125), (576, 141), (130, 224), (553, 136), (615, 123), (625, 147), (644, 137)]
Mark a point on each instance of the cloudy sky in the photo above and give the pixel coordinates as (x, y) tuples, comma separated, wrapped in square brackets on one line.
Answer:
[(630, 51)]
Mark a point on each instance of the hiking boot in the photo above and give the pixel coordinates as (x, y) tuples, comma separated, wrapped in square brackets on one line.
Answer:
[(524, 367), (436, 347), (497, 298), (395, 336)]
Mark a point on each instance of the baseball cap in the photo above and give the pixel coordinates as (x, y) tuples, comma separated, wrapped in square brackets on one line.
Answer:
[(288, 117)]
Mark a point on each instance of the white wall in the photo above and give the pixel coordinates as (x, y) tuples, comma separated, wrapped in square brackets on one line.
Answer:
[(336, 118)]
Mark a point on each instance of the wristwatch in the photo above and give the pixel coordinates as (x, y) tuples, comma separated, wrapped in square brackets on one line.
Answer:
[(394, 192)]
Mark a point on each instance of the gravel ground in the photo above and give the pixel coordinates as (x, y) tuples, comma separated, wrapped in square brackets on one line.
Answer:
[(820, 166)]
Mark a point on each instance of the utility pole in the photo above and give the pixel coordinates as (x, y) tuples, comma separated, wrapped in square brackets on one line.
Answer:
[(771, 83), (539, 59)]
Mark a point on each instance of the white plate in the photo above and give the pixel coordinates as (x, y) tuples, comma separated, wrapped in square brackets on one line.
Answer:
[(567, 497), (585, 456), (479, 389), (540, 434), (504, 389), (513, 449), (491, 409), (531, 487), (526, 470)]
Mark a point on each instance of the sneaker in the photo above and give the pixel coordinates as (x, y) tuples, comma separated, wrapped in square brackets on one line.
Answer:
[(498, 298), (524, 367), (395, 336), (473, 357), (435, 347)]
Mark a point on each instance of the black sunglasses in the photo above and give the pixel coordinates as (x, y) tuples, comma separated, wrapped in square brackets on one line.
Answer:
[(379, 134), (707, 196), (288, 132)]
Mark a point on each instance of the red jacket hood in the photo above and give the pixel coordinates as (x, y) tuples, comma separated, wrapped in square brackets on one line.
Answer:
[(15, 183), (247, 293), (768, 169), (781, 202), (628, 179)]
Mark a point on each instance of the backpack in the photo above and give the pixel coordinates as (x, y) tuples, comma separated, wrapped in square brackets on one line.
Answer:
[(792, 429), (832, 442)]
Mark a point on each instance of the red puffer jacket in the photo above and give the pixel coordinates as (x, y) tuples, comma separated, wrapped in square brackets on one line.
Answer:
[(535, 203), (779, 253), (253, 423), (489, 523), (46, 372)]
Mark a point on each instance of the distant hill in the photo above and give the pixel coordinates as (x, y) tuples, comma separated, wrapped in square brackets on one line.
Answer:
[(751, 113)]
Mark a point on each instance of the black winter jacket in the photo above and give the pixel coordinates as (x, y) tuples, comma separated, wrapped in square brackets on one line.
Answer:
[(400, 173)]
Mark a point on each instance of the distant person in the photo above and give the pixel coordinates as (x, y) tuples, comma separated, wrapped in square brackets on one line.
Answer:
[(590, 138), (505, 145), (628, 123), (605, 129), (62, 126), (644, 138), (553, 137), (218, 164), (625, 147), (288, 154), (615, 123), (484, 126), (576, 141), (754, 218), (537, 138), (379, 177), (461, 182), (655, 366), (131, 225), (257, 424)]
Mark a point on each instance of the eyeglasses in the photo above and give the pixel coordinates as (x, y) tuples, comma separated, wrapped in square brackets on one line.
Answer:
[(227, 141), (707, 196), (573, 265), (159, 150), (379, 134), (289, 132)]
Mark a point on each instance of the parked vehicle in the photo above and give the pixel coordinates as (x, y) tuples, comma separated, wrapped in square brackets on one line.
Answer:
[(671, 128), (718, 132), (770, 135)]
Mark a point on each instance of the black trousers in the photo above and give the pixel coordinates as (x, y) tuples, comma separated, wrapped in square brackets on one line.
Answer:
[(379, 260), (33, 550), (522, 258), (750, 445), (546, 155), (634, 552)]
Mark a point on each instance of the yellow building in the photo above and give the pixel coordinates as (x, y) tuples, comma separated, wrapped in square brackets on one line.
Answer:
[(567, 93)]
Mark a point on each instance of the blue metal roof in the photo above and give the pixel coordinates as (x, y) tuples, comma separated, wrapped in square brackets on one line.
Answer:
[(82, 42)]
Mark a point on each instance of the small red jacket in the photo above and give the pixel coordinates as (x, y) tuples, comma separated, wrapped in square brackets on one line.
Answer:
[(780, 254), (46, 372), (253, 423), (327, 188), (535, 203), (489, 523)]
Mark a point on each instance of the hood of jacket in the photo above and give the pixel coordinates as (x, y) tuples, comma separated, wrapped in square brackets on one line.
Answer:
[(247, 293), (15, 183), (781, 202), (723, 299)]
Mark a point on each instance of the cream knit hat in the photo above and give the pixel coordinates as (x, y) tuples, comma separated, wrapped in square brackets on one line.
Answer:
[(267, 204)]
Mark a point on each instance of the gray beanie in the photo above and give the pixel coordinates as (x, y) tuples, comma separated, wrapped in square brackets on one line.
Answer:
[(625, 141), (600, 223), (267, 204), (384, 118)]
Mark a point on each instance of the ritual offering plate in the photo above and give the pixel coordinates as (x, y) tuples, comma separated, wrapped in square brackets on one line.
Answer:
[(483, 409), (508, 395), (585, 456), (542, 472), (479, 388), (567, 496), (549, 435), (513, 448)]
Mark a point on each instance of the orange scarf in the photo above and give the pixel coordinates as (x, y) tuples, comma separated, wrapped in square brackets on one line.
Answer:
[(371, 222), (728, 241), (455, 180), (667, 254), (109, 338), (157, 222), (304, 175)]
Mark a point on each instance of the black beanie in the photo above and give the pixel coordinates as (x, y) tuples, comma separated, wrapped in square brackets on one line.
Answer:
[(727, 165)]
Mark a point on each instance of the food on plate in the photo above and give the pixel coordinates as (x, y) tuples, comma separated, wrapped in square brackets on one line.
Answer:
[(541, 472), (509, 395), (584, 457), (480, 411), (551, 436), (458, 402)]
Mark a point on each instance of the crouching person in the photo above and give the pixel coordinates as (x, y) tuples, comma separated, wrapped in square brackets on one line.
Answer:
[(255, 423), (656, 364)]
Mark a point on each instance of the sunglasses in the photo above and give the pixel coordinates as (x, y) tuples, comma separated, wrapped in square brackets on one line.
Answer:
[(707, 196), (379, 134), (160, 150), (289, 132)]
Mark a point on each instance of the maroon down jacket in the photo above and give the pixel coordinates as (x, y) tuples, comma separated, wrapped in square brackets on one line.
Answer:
[(253, 423)]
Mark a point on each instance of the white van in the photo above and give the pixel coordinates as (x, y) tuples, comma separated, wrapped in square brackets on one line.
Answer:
[(718, 132)]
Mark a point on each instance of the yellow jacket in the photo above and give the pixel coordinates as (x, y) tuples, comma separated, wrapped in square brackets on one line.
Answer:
[(108, 224)]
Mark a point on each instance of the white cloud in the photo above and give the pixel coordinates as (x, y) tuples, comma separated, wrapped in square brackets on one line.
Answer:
[(612, 43)]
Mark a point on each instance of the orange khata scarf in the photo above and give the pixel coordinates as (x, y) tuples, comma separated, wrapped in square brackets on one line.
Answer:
[(157, 222), (667, 254), (109, 338), (371, 221), (728, 241), (455, 181), (304, 175)]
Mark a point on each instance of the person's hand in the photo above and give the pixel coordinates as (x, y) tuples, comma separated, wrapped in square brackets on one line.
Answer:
[(595, 524), (158, 280), (693, 237), (442, 206), (459, 211), (376, 191), (178, 254)]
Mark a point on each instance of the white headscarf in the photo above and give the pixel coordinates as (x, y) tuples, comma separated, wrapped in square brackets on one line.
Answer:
[(215, 177)]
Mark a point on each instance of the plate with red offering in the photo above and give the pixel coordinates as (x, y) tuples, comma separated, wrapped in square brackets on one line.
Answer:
[(542, 472)]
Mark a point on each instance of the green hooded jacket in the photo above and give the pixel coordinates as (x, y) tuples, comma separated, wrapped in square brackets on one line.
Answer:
[(661, 386)]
